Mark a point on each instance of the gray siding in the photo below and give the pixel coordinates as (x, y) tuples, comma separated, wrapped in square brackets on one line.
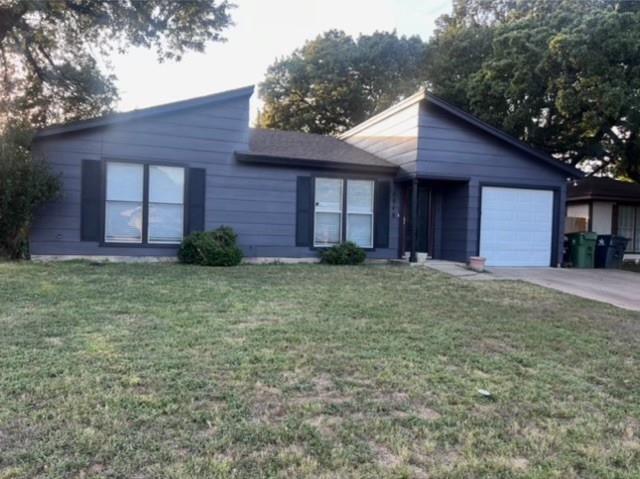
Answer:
[(394, 138), (449, 147), (258, 202)]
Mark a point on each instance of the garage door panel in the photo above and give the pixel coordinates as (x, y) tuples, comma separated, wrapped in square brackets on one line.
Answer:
[(516, 226)]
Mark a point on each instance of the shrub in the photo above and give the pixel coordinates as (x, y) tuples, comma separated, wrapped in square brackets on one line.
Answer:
[(211, 248), (25, 183), (345, 253)]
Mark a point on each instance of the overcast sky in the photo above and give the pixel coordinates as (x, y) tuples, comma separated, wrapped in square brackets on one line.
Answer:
[(263, 31)]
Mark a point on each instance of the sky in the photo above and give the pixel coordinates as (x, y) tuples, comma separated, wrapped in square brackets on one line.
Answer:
[(264, 30)]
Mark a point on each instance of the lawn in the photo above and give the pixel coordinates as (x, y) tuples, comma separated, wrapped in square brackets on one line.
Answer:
[(157, 370)]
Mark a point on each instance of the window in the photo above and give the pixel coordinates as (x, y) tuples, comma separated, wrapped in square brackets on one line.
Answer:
[(129, 207), (124, 201), (328, 215), (166, 197), (629, 226), (360, 212), (329, 211)]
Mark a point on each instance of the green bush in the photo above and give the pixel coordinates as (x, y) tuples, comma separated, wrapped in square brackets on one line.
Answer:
[(211, 248), (344, 253), (25, 183)]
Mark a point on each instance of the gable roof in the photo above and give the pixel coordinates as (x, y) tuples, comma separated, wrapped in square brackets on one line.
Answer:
[(424, 95), (307, 149), (603, 189), (145, 112)]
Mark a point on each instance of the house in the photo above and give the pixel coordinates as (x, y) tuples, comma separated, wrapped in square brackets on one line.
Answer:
[(422, 176), (608, 206)]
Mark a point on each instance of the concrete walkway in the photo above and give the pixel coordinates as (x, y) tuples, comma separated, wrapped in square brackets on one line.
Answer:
[(612, 286)]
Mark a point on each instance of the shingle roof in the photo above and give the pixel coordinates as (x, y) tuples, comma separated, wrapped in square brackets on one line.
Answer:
[(310, 147), (603, 189)]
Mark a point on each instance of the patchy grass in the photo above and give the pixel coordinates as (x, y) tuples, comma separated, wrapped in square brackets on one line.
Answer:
[(146, 371)]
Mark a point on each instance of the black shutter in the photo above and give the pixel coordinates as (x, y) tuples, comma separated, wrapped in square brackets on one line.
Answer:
[(381, 205), (90, 197), (196, 199), (304, 211)]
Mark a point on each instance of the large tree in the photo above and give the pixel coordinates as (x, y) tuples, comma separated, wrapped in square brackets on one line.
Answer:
[(51, 50), (563, 75), (336, 81)]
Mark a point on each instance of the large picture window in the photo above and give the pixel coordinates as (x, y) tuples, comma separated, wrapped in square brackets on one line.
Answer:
[(330, 211), (629, 226), (128, 207)]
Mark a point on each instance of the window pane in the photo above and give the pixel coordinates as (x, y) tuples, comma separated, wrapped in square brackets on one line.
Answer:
[(626, 220), (359, 229), (166, 184), (359, 196), (124, 181), (165, 223), (328, 195), (327, 229), (123, 222)]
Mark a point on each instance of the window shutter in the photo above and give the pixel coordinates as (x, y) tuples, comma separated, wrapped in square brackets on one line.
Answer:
[(196, 199), (381, 205), (304, 211), (90, 198)]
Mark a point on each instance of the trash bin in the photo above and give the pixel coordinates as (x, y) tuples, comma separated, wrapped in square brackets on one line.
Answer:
[(610, 251), (583, 248)]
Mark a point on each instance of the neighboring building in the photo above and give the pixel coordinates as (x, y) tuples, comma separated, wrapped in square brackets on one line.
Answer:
[(608, 207), (422, 176)]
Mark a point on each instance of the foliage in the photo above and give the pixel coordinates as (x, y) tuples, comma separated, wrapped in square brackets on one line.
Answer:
[(562, 75), (26, 182), (50, 50), (336, 81), (211, 248), (344, 253)]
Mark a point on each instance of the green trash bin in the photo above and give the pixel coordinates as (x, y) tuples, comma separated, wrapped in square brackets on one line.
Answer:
[(583, 249)]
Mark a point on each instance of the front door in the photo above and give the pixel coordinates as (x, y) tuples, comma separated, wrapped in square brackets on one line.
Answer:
[(422, 234)]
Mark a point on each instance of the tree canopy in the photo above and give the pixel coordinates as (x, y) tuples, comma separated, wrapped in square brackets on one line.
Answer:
[(335, 81), (51, 50), (562, 75)]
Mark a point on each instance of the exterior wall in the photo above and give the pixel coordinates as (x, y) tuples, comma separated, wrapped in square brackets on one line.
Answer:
[(578, 210), (602, 219), (454, 225), (258, 202), (450, 148), (393, 138)]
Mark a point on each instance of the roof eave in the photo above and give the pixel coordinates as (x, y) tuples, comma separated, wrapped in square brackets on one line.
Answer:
[(278, 160), (172, 107)]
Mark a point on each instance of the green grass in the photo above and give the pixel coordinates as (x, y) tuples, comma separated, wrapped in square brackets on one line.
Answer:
[(147, 371)]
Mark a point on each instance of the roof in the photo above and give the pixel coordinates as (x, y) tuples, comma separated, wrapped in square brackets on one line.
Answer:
[(424, 95), (603, 189), (145, 112), (307, 149)]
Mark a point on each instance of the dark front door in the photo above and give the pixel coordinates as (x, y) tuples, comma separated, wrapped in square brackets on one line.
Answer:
[(422, 233)]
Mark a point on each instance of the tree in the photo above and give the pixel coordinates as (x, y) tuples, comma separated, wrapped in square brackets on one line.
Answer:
[(50, 50), (562, 75), (335, 82), (25, 183)]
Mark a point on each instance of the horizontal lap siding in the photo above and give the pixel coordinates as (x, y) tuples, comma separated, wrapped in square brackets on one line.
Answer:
[(449, 147), (394, 138), (258, 202)]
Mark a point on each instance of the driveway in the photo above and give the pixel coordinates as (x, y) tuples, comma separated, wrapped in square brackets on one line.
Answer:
[(620, 288)]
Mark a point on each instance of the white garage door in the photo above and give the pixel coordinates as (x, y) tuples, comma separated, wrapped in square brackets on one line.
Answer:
[(516, 226)]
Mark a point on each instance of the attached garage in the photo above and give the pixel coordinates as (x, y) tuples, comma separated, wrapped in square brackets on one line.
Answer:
[(516, 226)]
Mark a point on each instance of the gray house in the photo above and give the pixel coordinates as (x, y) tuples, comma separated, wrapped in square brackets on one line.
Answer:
[(422, 176)]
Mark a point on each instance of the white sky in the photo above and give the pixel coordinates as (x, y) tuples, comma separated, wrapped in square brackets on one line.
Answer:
[(264, 30)]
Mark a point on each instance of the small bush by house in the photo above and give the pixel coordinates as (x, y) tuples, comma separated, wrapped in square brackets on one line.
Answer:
[(344, 253), (211, 248)]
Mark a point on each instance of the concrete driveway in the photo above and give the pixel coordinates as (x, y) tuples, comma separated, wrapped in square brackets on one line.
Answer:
[(620, 288)]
